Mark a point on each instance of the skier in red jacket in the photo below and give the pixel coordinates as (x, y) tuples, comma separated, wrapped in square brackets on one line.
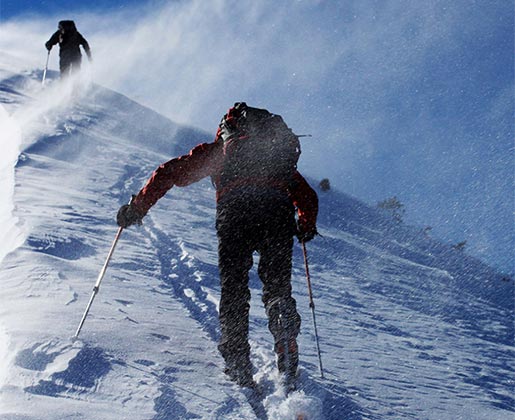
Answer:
[(255, 212)]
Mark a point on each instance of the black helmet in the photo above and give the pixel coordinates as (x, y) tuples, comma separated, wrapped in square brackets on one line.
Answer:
[(67, 26)]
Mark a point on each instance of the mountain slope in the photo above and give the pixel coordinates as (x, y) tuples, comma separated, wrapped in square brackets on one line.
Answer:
[(409, 328)]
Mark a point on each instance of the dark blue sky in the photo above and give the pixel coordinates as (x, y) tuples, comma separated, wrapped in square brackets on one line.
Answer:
[(412, 99), (15, 8)]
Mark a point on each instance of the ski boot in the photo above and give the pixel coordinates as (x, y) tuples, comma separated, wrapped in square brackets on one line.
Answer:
[(284, 323), (287, 362), (240, 372)]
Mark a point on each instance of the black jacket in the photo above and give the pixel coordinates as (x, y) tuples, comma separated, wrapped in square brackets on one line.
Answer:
[(69, 40)]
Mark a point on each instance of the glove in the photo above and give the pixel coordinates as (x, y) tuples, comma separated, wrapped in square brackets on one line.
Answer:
[(128, 215), (48, 46), (305, 234)]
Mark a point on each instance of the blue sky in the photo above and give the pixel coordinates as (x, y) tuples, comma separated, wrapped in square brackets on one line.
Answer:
[(412, 99), (15, 8)]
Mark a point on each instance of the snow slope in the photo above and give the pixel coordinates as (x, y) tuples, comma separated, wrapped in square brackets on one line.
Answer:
[(409, 328)]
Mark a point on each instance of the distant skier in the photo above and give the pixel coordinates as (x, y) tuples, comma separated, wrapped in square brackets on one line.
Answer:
[(69, 40), (252, 163)]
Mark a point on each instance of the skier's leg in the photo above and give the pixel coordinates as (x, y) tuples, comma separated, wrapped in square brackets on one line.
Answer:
[(283, 319), (65, 66), (75, 66), (235, 261)]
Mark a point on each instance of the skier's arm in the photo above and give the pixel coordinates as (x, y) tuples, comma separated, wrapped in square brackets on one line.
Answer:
[(305, 199), (54, 39), (200, 162), (85, 45)]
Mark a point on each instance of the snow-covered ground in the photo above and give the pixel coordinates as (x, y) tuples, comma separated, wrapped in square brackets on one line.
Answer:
[(409, 328)]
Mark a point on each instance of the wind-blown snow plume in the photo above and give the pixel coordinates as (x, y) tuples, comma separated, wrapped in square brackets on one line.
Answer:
[(17, 130), (394, 90), (10, 139)]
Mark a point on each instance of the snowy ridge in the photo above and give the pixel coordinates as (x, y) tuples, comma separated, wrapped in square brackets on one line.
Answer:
[(410, 328)]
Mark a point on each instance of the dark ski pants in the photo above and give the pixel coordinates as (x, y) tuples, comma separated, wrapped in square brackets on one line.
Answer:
[(245, 226), (69, 65)]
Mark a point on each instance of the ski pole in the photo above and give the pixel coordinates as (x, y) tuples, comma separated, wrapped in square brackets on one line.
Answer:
[(312, 306), (99, 280), (46, 68)]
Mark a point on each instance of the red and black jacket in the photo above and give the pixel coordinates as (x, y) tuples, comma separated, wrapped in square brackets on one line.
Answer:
[(206, 160)]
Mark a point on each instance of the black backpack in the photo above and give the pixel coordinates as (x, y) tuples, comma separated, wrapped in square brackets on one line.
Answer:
[(258, 146)]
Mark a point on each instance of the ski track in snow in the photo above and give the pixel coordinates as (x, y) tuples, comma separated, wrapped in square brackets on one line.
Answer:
[(409, 329)]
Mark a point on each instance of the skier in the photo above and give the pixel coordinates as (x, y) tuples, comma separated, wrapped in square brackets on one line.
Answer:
[(69, 40), (252, 163)]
